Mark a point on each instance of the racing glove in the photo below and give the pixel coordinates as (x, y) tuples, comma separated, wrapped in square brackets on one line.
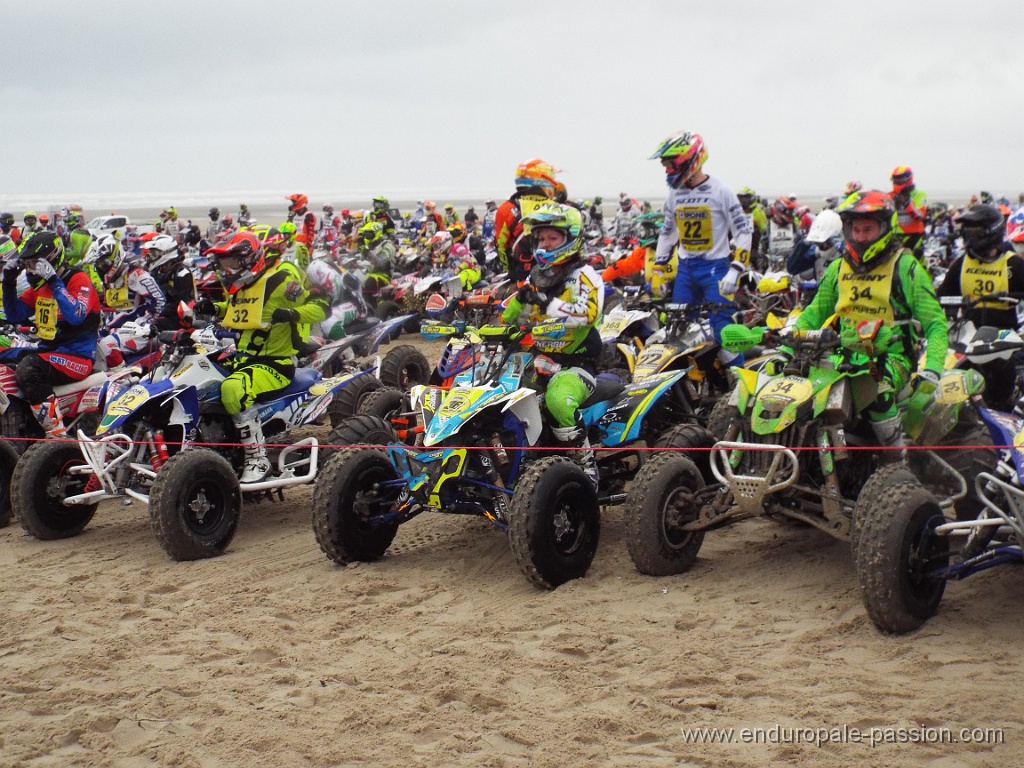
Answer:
[(924, 385), (205, 307), (43, 269), (284, 315), (728, 284)]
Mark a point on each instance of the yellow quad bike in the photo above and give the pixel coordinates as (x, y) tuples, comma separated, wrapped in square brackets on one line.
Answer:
[(800, 447), (687, 342)]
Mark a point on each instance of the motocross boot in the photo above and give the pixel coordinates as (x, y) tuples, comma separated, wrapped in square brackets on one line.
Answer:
[(250, 435), (50, 417), (890, 437), (574, 439)]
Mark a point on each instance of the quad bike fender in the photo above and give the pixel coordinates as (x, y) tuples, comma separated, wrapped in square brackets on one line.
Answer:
[(379, 334), (324, 391), (525, 406), (462, 404), (623, 419), (125, 405)]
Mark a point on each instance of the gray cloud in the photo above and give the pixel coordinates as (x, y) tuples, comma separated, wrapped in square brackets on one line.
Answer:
[(445, 98)]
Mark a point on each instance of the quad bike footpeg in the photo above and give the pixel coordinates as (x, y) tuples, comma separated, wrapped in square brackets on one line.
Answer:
[(749, 491)]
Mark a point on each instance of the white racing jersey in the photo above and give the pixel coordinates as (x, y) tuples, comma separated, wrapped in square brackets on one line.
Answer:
[(701, 220)]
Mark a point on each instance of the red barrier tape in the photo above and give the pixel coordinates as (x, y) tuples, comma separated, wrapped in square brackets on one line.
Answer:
[(560, 448)]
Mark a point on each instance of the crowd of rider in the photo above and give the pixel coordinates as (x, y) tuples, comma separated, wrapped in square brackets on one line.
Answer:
[(867, 251)]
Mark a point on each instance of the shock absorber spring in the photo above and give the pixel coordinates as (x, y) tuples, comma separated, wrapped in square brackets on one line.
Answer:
[(160, 453), (92, 485)]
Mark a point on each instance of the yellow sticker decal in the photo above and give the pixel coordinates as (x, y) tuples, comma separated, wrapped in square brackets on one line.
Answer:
[(787, 388)]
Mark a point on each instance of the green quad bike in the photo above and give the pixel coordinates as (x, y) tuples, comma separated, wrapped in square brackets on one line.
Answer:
[(799, 446)]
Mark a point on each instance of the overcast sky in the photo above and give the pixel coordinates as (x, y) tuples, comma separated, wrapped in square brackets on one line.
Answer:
[(443, 99)]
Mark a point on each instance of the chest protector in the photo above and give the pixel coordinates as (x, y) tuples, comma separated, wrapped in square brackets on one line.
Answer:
[(693, 223), (530, 203), (116, 296), (46, 318), (978, 278), (245, 308), (660, 276)]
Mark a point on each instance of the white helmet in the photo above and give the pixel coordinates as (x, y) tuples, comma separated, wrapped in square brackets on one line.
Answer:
[(160, 253), (328, 280), (826, 225)]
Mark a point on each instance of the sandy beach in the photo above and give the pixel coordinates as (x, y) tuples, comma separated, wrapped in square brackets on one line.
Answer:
[(442, 654)]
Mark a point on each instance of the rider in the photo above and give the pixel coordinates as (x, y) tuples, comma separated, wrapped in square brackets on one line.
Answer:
[(878, 279), (381, 212), (344, 293), (67, 316), (379, 250), (7, 228), (624, 223), (305, 226), (450, 215), (244, 216), (988, 266), (432, 221), (783, 232), (658, 278), (128, 289), (563, 288), (911, 206), (169, 222), (267, 302), (487, 223), (700, 212), (758, 225), (535, 185), (32, 225), (165, 262), (215, 228)]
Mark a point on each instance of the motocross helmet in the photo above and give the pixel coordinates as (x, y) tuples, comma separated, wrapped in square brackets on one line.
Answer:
[(214, 214), (381, 204), (902, 179), (852, 187), (458, 232), (275, 243), (239, 260), (449, 207), (561, 194), (683, 154), (650, 227), (6, 220), (110, 259), (875, 205), (288, 230), (30, 218), (44, 220), (985, 197), (783, 210), (370, 234), (326, 280), (328, 210), (551, 265), (429, 206), (536, 176), (982, 228), (298, 202), (440, 247), (7, 248), (162, 256), (75, 220), (747, 198), (43, 245)]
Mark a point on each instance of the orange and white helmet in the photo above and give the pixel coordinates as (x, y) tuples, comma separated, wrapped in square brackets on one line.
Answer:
[(239, 260), (535, 174)]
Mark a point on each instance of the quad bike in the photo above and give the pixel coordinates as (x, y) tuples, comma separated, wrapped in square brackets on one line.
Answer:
[(625, 328), (799, 446), (685, 342), (484, 451), (144, 451), (908, 548), (80, 402)]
